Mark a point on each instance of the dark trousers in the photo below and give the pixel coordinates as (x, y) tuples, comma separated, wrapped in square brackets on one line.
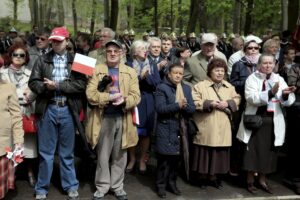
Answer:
[(166, 170)]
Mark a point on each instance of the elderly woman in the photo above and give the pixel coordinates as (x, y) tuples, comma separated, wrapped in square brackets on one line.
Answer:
[(173, 102), (272, 46), (215, 100), (265, 93), (240, 72), (11, 134), (148, 80), (17, 73)]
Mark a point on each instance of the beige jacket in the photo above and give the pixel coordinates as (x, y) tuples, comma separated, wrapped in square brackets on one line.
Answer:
[(11, 127), (214, 125), (129, 88)]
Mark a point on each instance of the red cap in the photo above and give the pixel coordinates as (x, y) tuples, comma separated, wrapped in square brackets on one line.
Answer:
[(59, 33)]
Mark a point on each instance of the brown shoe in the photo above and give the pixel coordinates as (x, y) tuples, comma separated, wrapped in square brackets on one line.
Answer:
[(251, 188), (265, 187)]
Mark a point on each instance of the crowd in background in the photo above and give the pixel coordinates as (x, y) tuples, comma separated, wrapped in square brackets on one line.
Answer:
[(192, 94)]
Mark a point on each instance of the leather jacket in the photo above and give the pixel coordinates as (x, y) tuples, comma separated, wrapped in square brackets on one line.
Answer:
[(73, 87)]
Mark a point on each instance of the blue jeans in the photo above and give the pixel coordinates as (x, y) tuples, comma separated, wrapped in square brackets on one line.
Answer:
[(56, 129)]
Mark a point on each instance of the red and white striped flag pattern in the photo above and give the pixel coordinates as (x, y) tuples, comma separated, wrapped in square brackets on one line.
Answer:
[(84, 64)]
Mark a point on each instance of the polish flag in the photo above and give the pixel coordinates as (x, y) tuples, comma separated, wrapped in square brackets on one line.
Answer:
[(83, 64), (135, 116)]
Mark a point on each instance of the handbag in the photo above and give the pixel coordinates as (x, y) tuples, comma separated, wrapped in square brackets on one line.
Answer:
[(29, 124), (252, 122), (192, 127)]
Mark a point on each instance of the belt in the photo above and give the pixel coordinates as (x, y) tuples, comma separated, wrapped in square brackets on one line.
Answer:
[(58, 103)]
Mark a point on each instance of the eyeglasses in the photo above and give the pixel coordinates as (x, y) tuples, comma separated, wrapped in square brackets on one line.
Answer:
[(19, 55), (113, 51), (250, 48), (40, 38)]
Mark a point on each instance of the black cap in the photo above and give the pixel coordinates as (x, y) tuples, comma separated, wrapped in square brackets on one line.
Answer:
[(114, 42)]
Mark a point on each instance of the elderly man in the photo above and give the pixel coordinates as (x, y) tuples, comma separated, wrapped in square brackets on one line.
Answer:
[(154, 55), (106, 35), (110, 125), (58, 104), (41, 47), (196, 66)]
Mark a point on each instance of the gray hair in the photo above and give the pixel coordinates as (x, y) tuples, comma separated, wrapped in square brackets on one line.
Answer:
[(153, 39), (268, 43), (137, 44), (262, 56), (110, 31)]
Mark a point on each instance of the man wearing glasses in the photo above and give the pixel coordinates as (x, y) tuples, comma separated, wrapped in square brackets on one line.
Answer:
[(58, 104), (42, 46), (110, 124)]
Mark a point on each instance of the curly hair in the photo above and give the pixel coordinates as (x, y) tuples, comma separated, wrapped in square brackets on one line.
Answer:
[(10, 51), (215, 63)]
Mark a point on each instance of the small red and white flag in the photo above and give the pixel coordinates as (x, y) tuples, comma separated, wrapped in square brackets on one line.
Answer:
[(135, 116), (83, 64)]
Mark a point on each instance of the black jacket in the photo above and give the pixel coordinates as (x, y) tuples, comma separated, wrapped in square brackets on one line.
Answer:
[(73, 87)]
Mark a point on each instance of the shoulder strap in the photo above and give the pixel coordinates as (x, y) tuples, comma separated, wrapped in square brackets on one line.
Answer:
[(217, 93)]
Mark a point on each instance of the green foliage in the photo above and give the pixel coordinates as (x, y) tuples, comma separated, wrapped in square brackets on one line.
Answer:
[(5, 23), (266, 15)]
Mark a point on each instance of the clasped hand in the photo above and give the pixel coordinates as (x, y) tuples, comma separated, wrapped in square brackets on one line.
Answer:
[(117, 99), (183, 103), (51, 85), (221, 105)]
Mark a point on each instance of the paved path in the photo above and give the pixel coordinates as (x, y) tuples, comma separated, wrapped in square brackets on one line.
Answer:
[(141, 187)]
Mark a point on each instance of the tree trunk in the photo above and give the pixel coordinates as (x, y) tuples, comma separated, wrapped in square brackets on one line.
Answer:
[(284, 12), (237, 16), (180, 22), (114, 13), (48, 11), (202, 16), (248, 18), (194, 12), (156, 17), (130, 14), (41, 13), (32, 12), (74, 12), (15, 11), (61, 13), (94, 6), (106, 13), (293, 12)]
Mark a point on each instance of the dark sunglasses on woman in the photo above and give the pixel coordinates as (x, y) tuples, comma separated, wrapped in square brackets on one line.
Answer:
[(19, 55)]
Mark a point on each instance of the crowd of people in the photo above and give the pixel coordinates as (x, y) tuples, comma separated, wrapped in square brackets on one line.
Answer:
[(208, 105)]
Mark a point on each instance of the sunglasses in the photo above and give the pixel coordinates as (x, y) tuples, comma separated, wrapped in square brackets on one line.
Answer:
[(40, 38), (19, 55), (250, 48)]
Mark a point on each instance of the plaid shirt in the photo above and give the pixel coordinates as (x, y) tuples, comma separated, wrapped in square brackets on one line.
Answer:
[(59, 74)]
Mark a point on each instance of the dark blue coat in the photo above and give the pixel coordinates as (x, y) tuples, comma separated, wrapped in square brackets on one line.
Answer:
[(146, 105), (168, 125), (239, 74)]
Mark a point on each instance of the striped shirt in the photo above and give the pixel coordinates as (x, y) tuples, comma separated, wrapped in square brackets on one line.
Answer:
[(59, 74)]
